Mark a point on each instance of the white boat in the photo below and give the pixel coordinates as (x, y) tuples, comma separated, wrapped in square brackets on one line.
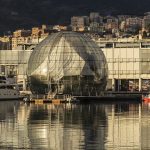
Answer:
[(8, 91)]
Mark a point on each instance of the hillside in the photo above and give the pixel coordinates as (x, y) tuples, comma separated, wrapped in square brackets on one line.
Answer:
[(27, 13)]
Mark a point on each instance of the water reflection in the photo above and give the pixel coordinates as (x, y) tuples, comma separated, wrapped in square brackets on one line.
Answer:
[(74, 126)]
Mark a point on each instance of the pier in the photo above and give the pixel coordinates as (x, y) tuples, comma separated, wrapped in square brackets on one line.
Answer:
[(106, 97)]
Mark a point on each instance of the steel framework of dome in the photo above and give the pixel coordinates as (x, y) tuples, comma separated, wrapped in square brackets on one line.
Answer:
[(68, 63)]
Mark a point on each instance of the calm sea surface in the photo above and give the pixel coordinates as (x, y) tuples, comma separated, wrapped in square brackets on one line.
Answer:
[(74, 126)]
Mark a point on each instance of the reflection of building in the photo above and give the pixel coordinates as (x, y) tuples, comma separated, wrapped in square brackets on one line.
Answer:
[(124, 127), (56, 127), (68, 62), (36, 127), (128, 127), (71, 126)]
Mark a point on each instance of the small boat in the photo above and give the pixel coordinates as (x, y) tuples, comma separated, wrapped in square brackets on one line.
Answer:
[(146, 98), (8, 91)]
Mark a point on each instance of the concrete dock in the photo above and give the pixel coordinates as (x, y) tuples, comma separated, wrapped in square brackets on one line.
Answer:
[(106, 97), (109, 98)]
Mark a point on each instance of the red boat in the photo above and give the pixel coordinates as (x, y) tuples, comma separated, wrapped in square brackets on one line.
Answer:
[(146, 98)]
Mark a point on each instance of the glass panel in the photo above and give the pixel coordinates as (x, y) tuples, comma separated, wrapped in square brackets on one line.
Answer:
[(70, 60)]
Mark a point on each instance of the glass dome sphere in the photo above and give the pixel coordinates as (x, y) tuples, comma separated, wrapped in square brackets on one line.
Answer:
[(67, 63)]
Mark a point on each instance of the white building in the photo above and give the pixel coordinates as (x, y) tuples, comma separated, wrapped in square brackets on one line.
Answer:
[(128, 63)]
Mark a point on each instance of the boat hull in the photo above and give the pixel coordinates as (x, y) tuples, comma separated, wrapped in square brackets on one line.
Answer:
[(146, 99), (10, 98)]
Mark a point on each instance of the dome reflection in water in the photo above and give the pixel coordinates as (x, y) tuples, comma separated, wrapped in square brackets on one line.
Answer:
[(74, 126), (67, 63)]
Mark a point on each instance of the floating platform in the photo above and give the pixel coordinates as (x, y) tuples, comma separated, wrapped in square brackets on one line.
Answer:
[(86, 99), (107, 99), (46, 99), (53, 101)]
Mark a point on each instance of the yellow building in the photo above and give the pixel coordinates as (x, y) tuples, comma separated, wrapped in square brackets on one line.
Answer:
[(21, 33)]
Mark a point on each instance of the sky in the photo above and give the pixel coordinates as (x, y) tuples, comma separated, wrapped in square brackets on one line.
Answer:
[(27, 13)]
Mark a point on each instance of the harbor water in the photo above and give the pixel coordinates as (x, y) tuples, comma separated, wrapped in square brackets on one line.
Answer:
[(93, 126)]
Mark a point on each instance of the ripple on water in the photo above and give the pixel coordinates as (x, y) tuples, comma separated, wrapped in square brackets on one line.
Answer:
[(65, 127)]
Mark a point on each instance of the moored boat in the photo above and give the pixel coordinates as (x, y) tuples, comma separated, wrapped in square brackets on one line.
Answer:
[(146, 98), (8, 91)]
